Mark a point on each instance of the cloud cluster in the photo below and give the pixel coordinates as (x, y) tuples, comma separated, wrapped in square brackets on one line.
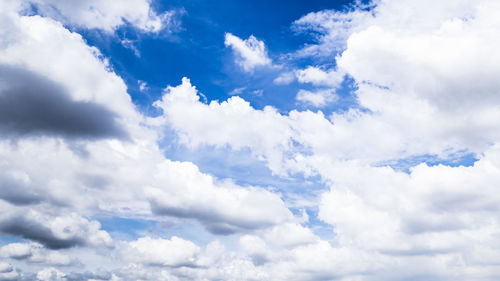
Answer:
[(74, 150)]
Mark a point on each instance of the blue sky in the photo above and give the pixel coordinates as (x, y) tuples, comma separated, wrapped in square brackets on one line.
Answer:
[(249, 140), (196, 49)]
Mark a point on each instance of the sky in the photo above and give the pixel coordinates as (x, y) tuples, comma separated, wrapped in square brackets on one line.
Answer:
[(249, 140)]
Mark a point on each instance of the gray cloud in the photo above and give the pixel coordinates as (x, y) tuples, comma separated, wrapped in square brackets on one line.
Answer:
[(16, 192), (31, 104), (213, 222), (30, 229), (54, 232)]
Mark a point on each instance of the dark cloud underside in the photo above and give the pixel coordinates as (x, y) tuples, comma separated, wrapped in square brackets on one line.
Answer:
[(31, 104), (29, 229)]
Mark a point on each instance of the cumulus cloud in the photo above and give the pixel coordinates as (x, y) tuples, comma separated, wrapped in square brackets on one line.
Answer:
[(223, 207), (51, 274), (415, 74), (55, 232), (237, 123), (121, 170), (106, 15), (8, 272), (174, 252), (63, 59), (250, 53), (34, 253)]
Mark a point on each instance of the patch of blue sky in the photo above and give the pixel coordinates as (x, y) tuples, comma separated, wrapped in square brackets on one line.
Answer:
[(126, 228), (197, 50), (7, 239), (240, 165), (460, 158), (188, 229), (318, 227)]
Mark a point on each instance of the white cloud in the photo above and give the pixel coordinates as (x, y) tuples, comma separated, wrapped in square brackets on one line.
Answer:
[(416, 78), (232, 122), (54, 231), (416, 71), (143, 86), (70, 62), (331, 29), (180, 189), (8, 272), (319, 77), (172, 252), (284, 78), (237, 91), (106, 14), (34, 253), (250, 53), (318, 98), (51, 274)]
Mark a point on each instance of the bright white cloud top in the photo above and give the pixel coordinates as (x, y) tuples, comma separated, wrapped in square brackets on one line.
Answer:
[(93, 188), (250, 53)]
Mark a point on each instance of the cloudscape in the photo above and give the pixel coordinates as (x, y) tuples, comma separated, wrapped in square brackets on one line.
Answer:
[(250, 140)]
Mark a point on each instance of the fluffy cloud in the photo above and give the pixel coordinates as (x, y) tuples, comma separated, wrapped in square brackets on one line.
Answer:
[(105, 15), (55, 232), (7, 272), (174, 252), (251, 53), (232, 122), (51, 274), (223, 207), (43, 194), (318, 98), (319, 77), (417, 97), (415, 67), (34, 253)]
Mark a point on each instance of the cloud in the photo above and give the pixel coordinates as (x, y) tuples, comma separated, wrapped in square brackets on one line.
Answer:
[(237, 91), (143, 86), (51, 274), (284, 78), (319, 77), (181, 190), (32, 105), (232, 122), (174, 252), (55, 232), (330, 29), (415, 76), (63, 58), (34, 253), (251, 53), (17, 189), (8, 272), (318, 98), (106, 15)]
